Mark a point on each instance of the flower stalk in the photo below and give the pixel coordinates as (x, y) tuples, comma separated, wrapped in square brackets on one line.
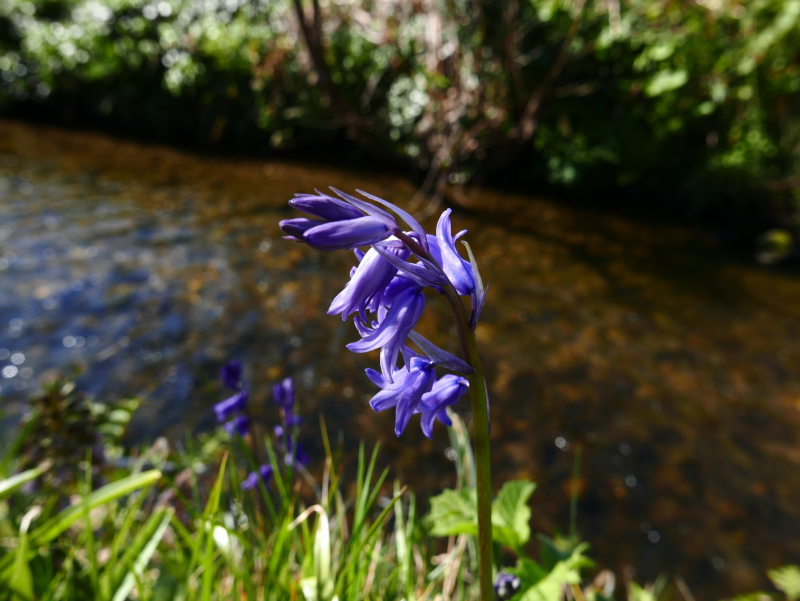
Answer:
[(480, 427)]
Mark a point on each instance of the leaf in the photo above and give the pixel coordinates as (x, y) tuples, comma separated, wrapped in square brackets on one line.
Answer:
[(666, 81), (787, 580), (511, 514), (637, 593), (454, 513), (58, 524), (106, 494), (143, 558), (21, 580), (539, 584), (9, 485)]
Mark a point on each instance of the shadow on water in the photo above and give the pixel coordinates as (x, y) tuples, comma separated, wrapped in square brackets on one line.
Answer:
[(672, 365)]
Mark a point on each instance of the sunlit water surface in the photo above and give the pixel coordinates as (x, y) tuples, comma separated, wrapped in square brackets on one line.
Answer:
[(673, 366)]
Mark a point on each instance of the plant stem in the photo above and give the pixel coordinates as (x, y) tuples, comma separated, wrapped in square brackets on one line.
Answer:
[(480, 427), (483, 466)]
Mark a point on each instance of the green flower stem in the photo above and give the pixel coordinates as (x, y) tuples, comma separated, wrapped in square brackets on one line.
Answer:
[(480, 427), (480, 436)]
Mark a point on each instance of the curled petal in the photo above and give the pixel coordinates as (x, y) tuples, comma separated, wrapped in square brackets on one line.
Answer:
[(368, 281), (458, 271), (393, 329)]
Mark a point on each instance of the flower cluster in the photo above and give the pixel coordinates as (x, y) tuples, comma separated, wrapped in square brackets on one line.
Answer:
[(232, 413), (385, 293), (286, 446)]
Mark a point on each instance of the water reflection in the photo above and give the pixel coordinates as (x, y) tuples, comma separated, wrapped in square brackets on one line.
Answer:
[(671, 365)]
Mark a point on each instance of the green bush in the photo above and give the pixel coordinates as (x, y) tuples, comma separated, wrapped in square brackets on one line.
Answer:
[(689, 104)]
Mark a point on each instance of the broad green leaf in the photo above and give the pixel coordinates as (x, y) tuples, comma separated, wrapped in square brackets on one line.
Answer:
[(454, 513), (511, 514), (787, 580), (539, 584)]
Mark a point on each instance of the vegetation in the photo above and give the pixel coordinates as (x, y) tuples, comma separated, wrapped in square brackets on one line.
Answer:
[(688, 105), (162, 524)]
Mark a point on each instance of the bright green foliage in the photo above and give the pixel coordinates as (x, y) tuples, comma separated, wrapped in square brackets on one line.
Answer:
[(453, 513), (787, 579), (511, 514), (543, 582), (694, 102)]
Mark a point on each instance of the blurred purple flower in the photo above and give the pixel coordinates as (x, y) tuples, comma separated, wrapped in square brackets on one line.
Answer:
[(264, 472), (239, 424), (283, 394), (231, 374), (506, 585), (296, 454), (231, 406)]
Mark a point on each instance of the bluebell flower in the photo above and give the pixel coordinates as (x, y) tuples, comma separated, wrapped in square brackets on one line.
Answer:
[(392, 328), (367, 284), (283, 394), (506, 585), (340, 224), (231, 406), (403, 389), (231, 374), (325, 207), (264, 473), (348, 234), (443, 248), (238, 425), (295, 228), (296, 454), (433, 405), (291, 420)]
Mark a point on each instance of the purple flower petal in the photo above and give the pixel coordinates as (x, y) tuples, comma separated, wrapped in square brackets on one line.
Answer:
[(238, 425), (393, 329), (234, 404), (298, 226), (325, 207), (348, 234), (371, 276), (458, 271)]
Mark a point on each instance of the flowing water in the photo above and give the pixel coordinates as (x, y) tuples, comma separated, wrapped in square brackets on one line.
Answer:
[(671, 364)]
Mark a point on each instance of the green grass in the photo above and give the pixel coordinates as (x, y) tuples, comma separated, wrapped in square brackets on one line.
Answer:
[(178, 526)]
